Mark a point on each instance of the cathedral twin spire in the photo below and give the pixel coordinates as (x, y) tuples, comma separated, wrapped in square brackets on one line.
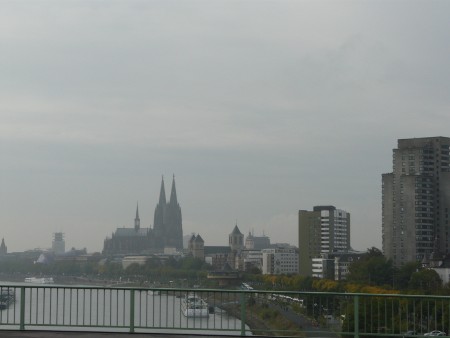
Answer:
[(167, 220), (173, 193)]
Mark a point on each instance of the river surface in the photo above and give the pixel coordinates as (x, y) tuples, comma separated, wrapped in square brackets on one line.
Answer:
[(91, 308)]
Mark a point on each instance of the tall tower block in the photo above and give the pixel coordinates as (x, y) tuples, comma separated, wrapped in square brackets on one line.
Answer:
[(416, 200)]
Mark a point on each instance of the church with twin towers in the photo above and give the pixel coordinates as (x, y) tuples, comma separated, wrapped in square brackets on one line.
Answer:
[(167, 231)]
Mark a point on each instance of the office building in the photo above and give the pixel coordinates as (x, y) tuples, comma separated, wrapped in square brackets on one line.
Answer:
[(416, 200), (321, 231), (280, 260), (335, 265)]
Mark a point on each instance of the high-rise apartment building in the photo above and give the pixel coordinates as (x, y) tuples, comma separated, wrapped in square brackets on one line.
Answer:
[(416, 200), (321, 231)]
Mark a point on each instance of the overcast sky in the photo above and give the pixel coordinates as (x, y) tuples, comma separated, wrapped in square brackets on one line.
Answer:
[(259, 108)]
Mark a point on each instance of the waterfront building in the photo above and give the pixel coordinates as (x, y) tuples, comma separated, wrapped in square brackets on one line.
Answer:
[(280, 260), (321, 231), (166, 234), (416, 200), (139, 260), (226, 276)]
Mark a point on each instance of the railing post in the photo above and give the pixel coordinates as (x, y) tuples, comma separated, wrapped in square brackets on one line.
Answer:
[(356, 315), (243, 313), (131, 310), (22, 308)]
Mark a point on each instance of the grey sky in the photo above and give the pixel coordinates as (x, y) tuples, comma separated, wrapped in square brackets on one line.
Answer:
[(260, 108)]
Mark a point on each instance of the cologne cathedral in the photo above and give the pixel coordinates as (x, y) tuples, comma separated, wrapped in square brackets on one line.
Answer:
[(167, 231)]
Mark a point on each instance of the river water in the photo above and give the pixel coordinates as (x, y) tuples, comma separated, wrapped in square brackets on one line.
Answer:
[(86, 308)]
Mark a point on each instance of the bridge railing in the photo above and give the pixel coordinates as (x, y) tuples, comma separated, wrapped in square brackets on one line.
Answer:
[(240, 312)]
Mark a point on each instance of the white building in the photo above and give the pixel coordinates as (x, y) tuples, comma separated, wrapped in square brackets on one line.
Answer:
[(317, 267), (280, 260), (334, 265), (322, 231), (252, 258), (129, 260)]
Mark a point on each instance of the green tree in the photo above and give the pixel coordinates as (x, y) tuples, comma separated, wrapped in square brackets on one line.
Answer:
[(403, 275), (426, 280), (372, 269)]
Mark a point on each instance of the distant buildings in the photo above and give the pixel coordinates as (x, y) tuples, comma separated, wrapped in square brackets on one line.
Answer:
[(334, 265), (251, 255), (236, 255), (236, 240), (416, 200), (196, 247), (167, 230), (58, 243), (321, 231), (3, 248), (280, 260), (253, 242)]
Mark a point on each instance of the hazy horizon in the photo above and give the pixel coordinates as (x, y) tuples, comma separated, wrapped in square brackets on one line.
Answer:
[(259, 108)]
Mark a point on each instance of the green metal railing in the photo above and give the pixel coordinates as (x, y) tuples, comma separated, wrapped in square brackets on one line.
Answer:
[(238, 312)]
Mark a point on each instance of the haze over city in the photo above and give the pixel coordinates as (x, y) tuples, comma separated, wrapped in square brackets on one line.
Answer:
[(259, 109)]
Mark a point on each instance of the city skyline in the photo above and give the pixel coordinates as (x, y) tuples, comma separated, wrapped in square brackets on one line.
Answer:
[(260, 108)]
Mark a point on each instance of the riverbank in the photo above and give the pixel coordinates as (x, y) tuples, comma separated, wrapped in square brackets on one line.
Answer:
[(70, 280), (266, 322)]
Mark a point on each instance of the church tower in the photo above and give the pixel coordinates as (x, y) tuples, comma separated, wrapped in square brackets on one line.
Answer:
[(174, 231), (3, 248), (158, 220), (137, 220), (167, 220), (236, 239)]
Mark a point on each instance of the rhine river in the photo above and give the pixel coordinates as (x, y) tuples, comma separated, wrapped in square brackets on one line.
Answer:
[(90, 308)]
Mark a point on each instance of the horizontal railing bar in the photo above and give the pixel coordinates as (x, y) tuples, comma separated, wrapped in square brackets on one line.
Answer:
[(237, 291)]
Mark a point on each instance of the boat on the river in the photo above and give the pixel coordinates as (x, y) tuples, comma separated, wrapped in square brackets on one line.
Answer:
[(39, 280), (7, 297), (193, 306)]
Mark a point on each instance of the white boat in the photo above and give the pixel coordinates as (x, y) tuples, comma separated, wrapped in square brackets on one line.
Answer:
[(193, 306), (39, 280)]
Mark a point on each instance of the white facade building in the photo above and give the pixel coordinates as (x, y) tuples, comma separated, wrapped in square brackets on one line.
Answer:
[(317, 267), (280, 260), (322, 231)]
